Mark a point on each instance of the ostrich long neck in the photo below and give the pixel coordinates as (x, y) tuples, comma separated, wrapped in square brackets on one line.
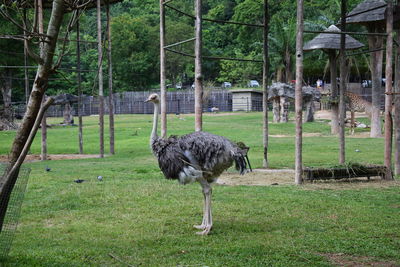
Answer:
[(154, 135)]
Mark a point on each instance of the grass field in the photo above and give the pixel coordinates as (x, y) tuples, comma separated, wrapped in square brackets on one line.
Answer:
[(141, 219)]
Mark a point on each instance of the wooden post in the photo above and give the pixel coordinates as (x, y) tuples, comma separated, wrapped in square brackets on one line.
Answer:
[(376, 42), (198, 90), (342, 106), (110, 83), (396, 116), (43, 153), (26, 76), (334, 92), (78, 66), (298, 93), (388, 90), (163, 72), (265, 84), (100, 70)]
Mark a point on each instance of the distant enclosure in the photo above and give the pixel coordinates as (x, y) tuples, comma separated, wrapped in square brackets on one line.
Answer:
[(133, 103), (178, 102)]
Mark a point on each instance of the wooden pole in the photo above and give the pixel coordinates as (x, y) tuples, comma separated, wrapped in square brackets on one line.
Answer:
[(375, 43), (198, 90), (78, 66), (298, 93), (100, 69), (43, 153), (334, 92), (163, 72), (396, 116), (265, 84), (26, 63), (342, 106), (388, 91), (110, 83)]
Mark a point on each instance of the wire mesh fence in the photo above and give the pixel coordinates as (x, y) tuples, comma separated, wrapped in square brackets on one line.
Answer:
[(13, 209)]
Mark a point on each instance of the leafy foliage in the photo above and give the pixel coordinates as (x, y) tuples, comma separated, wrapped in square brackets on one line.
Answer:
[(135, 48)]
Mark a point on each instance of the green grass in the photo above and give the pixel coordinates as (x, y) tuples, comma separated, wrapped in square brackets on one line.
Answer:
[(145, 220)]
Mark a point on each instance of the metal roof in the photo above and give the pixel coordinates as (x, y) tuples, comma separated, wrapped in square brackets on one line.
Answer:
[(331, 41)]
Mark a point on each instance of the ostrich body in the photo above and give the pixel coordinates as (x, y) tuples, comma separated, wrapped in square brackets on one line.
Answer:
[(195, 157)]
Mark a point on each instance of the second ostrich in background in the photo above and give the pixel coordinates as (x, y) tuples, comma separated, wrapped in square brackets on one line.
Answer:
[(195, 157)]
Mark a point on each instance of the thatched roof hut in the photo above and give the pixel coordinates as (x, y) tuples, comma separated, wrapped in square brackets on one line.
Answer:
[(373, 12), (377, 12), (331, 41)]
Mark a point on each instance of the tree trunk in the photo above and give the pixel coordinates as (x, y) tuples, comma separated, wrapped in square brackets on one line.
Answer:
[(343, 73), (298, 93), (288, 67), (163, 72), (26, 76), (276, 110), (279, 75), (376, 42), (100, 70), (198, 105), (309, 110), (110, 84), (6, 90), (388, 90), (284, 110), (78, 66), (43, 153), (396, 117), (265, 84), (7, 182), (334, 93)]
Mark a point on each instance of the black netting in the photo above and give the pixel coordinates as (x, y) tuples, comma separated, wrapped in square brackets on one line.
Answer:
[(13, 209)]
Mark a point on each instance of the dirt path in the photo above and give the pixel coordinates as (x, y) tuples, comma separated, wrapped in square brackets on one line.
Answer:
[(33, 158), (264, 177)]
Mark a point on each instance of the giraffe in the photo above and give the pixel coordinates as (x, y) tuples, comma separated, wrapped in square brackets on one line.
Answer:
[(356, 103)]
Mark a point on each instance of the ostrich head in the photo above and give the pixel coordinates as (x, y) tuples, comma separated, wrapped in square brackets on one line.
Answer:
[(153, 98)]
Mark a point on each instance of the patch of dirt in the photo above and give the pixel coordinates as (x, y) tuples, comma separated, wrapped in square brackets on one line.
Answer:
[(268, 177), (258, 177), (304, 134), (326, 115), (33, 158), (341, 259)]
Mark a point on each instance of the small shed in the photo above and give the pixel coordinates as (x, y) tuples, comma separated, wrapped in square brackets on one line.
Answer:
[(247, 100)]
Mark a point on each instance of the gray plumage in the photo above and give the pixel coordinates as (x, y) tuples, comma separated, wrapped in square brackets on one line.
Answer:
[(209, 153), (198, 156)]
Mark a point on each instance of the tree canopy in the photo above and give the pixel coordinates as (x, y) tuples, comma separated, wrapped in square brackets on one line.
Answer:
[(135, 39)]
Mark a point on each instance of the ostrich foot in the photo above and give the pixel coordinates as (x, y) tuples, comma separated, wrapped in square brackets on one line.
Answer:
[(200, 227), (206, 230)]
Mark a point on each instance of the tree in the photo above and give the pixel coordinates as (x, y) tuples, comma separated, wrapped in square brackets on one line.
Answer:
[(8, 74), (46, 68), (134, 52), (282, 47)]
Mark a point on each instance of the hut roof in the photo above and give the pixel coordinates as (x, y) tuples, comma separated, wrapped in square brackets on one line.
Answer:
[(378, 14), (331, 41)]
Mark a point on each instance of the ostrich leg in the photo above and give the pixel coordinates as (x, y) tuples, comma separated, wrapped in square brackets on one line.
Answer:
[(206, 223)]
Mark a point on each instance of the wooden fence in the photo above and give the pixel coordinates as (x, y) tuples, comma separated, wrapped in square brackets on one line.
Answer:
[(133, 103)]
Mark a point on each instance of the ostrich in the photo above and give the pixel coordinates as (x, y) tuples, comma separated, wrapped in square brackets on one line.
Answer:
[(195, 157)]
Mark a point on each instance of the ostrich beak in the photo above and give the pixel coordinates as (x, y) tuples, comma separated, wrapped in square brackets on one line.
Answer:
[(146, 101)]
